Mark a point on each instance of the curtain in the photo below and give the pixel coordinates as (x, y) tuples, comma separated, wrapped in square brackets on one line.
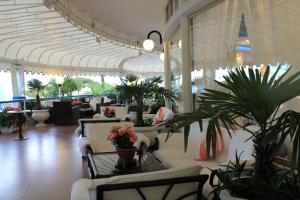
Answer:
[(215, 32), (272, 28)]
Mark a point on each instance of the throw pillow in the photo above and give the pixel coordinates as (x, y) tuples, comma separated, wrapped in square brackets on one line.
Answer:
[(159, 116), (201, 153)]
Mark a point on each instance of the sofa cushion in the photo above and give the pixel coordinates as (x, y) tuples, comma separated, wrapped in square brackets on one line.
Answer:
[(240, 143), (154, 192), (165, 155)]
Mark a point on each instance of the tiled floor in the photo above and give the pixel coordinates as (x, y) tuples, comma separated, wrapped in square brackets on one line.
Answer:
[(41, 168)]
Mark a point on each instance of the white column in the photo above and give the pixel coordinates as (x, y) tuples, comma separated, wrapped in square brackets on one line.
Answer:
[(186, 64), (14, 81), (102, 78), (20, 81), (167, 70)]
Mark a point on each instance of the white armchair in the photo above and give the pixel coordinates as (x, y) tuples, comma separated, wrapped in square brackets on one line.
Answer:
[(95, 135), (172, 183)]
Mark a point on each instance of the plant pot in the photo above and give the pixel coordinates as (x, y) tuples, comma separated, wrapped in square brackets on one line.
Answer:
[(149, 131), (126, 154), (8, 130), (225, 195), (40, 116)]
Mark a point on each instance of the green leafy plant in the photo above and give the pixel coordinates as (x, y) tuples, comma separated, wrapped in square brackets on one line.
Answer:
[(69, 86), (36, 86), (148, 121), (138, 91), (8, 120), (256, 97)]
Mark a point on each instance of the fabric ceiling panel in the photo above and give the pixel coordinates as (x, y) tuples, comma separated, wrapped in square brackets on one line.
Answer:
[(37, 36)]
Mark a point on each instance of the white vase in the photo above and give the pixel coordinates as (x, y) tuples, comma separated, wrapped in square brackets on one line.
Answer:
[(40, 116)]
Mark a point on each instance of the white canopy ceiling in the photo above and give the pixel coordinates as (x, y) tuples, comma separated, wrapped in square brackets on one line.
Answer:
[(44, 37)]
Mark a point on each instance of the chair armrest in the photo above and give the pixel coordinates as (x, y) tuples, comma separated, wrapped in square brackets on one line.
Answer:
[(176, 140), (80, 189), (84, 145), (78, 132), (143, 142)]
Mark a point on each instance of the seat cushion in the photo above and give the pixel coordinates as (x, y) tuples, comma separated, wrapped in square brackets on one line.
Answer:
[(241, 144)]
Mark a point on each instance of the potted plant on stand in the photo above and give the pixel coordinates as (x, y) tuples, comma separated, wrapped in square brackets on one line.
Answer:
[(135, 91), (256, 97), (8, 122), (39, 114)]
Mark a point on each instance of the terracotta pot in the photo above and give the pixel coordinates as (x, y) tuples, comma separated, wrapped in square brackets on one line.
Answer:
[(126, 154)]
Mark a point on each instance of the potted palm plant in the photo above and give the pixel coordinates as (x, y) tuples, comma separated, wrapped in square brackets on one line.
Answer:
[(133, 90), (257, 97), (39, 114)]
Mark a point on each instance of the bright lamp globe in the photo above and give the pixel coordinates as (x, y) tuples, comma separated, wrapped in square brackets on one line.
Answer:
[(59, 80), (148, 45), (162, 56)]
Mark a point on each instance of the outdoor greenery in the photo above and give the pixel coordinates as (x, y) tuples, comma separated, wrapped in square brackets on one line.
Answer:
[(70, 85), (101, 88), (256, 97), (137, 91)]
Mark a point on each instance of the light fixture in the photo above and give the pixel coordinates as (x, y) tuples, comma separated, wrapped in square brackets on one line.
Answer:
[(59, 81), (179, 44), (162, 56), (148, 44)]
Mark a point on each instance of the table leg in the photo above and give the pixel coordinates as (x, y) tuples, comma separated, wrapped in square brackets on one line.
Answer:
[(21, 137)]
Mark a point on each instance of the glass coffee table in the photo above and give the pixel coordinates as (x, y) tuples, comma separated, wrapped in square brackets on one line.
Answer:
[(103, 165)]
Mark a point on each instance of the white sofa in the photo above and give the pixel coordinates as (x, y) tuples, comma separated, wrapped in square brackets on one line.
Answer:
[(86, 189), (180, 164), (121, 112), (171, 153), (95, 134)]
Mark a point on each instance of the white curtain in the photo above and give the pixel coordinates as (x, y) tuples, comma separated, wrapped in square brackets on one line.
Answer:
[(215, 33), (273, 29)]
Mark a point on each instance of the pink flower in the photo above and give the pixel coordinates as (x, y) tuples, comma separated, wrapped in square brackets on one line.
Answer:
[(112, 136), (115, 128)]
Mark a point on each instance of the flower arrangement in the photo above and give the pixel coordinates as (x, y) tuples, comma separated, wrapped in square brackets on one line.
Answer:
[(122, 137), (109, 112)]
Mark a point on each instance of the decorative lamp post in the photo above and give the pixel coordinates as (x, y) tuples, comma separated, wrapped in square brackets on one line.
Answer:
[(59, 81)]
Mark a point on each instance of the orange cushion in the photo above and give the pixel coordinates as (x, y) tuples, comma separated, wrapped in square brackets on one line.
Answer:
[(201, 153), (159, 116)]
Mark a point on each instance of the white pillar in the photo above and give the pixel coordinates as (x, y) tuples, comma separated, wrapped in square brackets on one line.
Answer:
[(102, 78), (20, 81), (186, 64), (14, 81), (167, 70)]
